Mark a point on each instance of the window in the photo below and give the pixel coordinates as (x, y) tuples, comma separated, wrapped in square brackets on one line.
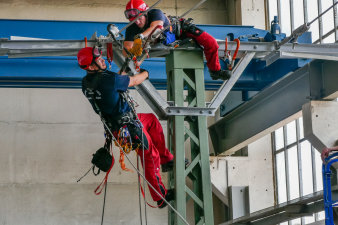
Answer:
[(293, 13), (298, 167)]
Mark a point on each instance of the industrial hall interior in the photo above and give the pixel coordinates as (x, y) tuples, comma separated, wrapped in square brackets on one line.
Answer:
[(155, 112)]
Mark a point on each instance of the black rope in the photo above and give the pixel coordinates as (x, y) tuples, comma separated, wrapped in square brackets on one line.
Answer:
[(139, 192), (85, 174), (104, 202)]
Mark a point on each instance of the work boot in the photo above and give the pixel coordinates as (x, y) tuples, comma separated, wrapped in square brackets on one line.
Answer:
[(220, 74), (169, 166), (169, 197)]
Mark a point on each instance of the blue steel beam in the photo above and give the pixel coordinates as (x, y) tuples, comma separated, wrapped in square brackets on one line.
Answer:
[(63, 72), (284, 98)]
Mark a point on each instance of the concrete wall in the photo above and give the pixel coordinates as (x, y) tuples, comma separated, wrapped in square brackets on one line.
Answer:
[(246, 12), (254, 171), (211, 12), (47, 140)]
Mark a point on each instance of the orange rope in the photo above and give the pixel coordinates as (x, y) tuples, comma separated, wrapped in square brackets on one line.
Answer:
[(123, 165)]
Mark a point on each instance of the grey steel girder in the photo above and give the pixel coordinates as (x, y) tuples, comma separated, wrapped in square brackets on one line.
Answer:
[(224, 90), (282, 99), (31, 48), (289, 50), (293, 209)]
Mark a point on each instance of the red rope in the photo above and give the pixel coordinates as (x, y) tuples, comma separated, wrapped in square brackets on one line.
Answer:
[(110, 52)]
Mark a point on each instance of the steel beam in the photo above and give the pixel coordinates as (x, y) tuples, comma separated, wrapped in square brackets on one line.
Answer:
[(284, 98), (224, 90), (293, 209), (33, 48)]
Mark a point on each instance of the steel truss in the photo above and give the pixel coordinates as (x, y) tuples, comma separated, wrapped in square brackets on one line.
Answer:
[(185, 72)]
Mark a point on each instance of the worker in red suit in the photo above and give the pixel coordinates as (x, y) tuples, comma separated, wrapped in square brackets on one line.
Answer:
[(144, 26), (103, 89)]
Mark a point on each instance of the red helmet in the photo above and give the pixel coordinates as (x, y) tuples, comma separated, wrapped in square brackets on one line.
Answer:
[(134, 8), (86, 56)]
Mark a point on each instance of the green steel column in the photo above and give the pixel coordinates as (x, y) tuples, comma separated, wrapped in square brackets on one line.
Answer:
[(186, 88)]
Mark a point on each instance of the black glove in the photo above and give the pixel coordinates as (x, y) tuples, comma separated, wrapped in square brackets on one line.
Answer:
[(142, 70)]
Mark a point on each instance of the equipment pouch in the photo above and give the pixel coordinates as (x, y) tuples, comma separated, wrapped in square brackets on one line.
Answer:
[(102, 159), (169, 37)]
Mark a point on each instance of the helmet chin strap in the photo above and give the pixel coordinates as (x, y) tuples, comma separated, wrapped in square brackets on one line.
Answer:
[(98, 66)]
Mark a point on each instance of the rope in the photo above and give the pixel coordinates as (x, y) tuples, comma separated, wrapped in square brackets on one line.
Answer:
[(85, 174), (139, 194), (104, 203), (131, 163), (150, 185), (144, 166)]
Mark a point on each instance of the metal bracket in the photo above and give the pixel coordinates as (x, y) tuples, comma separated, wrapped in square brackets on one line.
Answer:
[(190, 111)]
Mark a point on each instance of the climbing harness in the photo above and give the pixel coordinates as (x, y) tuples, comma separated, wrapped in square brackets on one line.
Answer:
[(230, 60), (110, 134), (107, 128)]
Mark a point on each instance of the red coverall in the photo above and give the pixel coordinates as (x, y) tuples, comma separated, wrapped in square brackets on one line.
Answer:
[(156, 155), (210, 48)]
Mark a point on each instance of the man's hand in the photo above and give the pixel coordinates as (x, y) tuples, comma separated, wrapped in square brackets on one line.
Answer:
[(144, 70), (138, 78), (326, 152)]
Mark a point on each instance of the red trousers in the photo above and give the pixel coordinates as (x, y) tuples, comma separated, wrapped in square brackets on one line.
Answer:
[(210, 48), (156, 155)]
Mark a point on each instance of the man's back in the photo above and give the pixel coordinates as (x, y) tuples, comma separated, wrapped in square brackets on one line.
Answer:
[(103, 89)]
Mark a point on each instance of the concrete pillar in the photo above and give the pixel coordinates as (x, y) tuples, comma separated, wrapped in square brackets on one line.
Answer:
[(246, 12)]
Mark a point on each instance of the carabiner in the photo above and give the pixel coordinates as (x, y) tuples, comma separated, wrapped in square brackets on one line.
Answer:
[(227, 54)]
